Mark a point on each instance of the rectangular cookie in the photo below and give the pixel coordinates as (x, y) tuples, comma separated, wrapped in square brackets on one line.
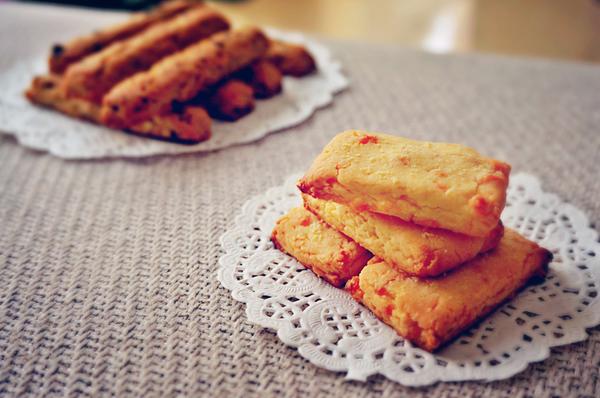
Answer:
[(438, 185), (430, 312), (329, 254), (63, 55), (407, 247), (191, 125), (181, 76), (96, 74)]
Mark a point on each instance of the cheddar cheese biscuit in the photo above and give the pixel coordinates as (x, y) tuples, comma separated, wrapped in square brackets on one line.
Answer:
[(95, 75), (405, 246), (438, 185), (181, 76), (430, 312), (63, 55), (329, 254)]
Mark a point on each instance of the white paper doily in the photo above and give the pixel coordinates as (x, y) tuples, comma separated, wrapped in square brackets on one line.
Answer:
[(66, 137), (332, 331)]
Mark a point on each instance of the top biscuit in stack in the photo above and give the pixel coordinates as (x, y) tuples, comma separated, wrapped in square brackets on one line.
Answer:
[(438, 185)]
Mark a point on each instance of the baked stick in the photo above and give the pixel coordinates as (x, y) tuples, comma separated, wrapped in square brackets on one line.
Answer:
[(264, 78), (181, 76), (231, 100), (191, 124), (329, 254), (436, 185), (430, 312), (405, 246), (95, 75), (291, 59), (234, 98), (63, 55)]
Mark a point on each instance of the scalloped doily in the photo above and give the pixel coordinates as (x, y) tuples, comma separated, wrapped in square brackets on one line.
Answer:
[(66, 137), (332, 331)]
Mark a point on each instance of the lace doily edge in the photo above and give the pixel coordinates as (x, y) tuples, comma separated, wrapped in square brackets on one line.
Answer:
[(540, 354), (336, 79)]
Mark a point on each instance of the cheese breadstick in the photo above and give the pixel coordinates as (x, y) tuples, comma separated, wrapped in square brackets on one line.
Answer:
[(181, 76), (190, 124), (291, 59), (231, 100), (264, 77), (63, 55), (96, 74)]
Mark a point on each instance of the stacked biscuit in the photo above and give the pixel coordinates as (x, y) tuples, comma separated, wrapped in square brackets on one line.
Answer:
[(165, 73), (412, 229)]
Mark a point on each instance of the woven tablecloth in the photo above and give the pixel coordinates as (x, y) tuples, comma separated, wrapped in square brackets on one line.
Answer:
[(108, 268)]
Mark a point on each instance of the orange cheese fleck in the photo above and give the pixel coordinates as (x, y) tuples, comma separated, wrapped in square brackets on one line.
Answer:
[(353, 288), (363, 207), (389, 310), (481, 205), (368, 139)]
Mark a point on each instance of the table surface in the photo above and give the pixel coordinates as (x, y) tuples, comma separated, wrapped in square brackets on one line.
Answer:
[(545, 28), (108, 267)]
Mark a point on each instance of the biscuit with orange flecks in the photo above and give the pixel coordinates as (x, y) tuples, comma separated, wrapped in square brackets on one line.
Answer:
[(328, 253), (438, 185), (407, 247), (430, 312)]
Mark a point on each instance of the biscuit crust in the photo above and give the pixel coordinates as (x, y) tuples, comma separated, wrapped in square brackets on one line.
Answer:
[(328, 253), (407, 247), (430, 312), (438, 185)]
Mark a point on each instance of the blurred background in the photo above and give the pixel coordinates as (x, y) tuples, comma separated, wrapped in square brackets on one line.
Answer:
[(560, 29)]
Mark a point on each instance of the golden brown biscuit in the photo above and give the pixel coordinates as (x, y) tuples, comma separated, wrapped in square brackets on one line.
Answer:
[(265, 79), (96, 74), (329, 254), (231, 100), (291, 59), (430, 312), (437, 185), (191, 124), (181, 76), (63, 55), (405, 246)]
